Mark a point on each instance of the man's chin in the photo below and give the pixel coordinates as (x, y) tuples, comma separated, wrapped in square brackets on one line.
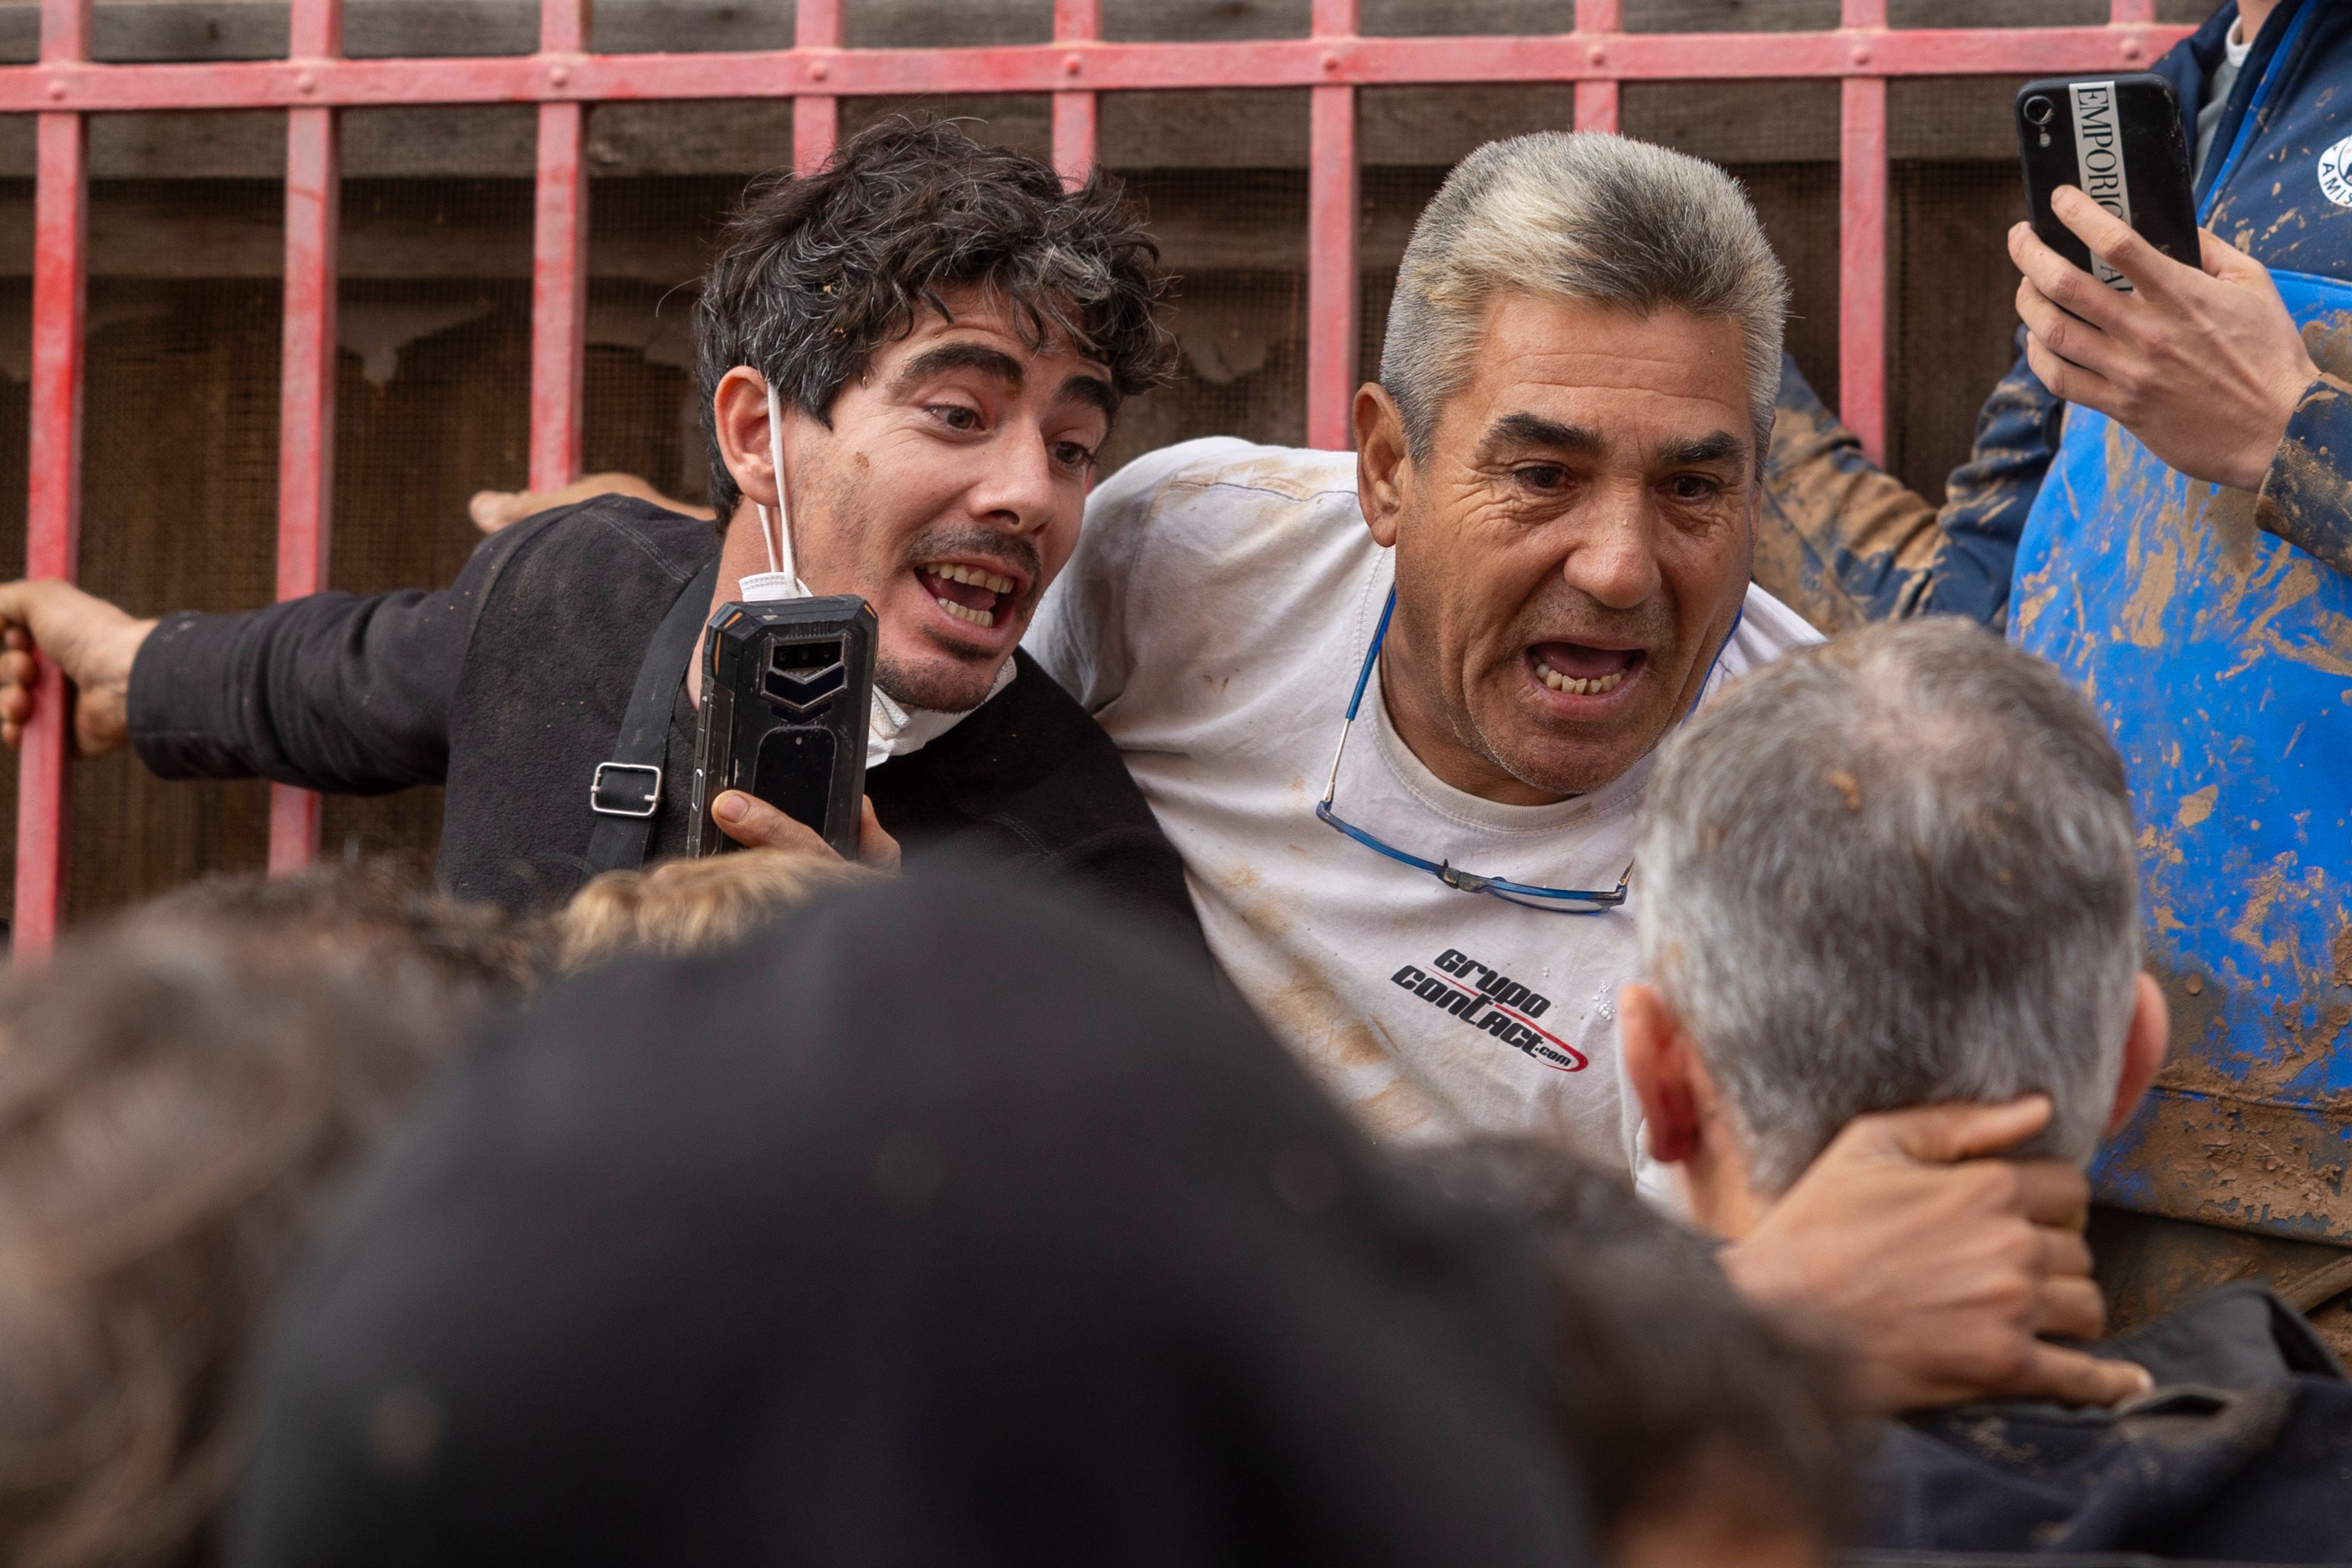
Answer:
[(1567, 765), (940, 682)]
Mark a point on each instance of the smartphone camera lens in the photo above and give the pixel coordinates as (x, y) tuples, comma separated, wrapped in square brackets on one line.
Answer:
[(2038, 109)]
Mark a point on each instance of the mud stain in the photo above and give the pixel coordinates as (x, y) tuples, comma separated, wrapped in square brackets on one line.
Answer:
[(2143, 615), (1849, 789), (2195, 808)]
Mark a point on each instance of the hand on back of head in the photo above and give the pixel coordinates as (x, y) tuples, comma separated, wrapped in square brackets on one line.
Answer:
[(1892, 887)]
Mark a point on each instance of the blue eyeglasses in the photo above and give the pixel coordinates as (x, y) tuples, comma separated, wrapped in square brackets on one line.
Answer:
[(1555, 901)]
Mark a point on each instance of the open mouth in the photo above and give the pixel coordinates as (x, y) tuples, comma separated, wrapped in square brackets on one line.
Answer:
[(971, 593), (1579, 669)]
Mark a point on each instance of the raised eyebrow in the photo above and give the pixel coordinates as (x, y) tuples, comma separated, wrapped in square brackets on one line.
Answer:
[(1720, 446), (945, 357), (1535, 430)]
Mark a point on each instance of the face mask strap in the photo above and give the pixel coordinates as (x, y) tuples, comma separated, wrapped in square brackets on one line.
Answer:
[(777, 533)]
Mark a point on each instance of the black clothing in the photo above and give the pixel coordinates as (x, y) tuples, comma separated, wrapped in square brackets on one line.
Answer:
[(510, 686), (940, 1224), (2243, 1452)]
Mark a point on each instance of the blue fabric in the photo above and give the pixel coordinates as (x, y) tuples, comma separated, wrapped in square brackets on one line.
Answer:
[(2291, 103), (2221, 657), (2214, 630)]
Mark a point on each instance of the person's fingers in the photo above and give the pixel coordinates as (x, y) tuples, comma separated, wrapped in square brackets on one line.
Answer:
[(2052, 1193), (491, 509), (875, 848), (753, 823), (15, 704), (2064, 1253), (2114, 241), (2071, 338), (2074, 1377), (2065, 284), (18, 667), (16, 637), (1940, 1134), (2069, 1309), (2068, 383)]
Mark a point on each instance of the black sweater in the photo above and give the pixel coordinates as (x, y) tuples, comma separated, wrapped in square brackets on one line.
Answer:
[(510, 685)]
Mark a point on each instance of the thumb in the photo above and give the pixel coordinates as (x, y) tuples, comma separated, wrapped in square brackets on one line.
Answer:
[(1940, 1134), (2222, 259)]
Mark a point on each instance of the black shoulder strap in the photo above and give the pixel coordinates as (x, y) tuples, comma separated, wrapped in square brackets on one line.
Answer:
[(626, 793)]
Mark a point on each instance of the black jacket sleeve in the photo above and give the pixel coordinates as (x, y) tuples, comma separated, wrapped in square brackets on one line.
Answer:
[(334, 692)]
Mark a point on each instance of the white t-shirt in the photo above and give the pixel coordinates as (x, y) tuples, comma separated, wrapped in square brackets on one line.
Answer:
[(1213, 618)]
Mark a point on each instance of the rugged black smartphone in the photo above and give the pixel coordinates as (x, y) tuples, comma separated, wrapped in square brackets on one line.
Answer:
[(2118, 139), (787, 687)]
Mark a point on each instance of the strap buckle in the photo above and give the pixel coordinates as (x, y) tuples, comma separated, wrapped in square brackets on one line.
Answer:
[(625, 789)]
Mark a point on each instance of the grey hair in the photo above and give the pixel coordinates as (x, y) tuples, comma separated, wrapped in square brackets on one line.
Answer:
[(1893, 870), (1586, 216)]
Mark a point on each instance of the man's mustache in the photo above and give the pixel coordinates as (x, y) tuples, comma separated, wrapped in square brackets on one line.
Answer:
[(973, 542), (1568, 615)]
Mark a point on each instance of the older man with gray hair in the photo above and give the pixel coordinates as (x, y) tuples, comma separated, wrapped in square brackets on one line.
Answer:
[(1900, 869), (1396, 708), (1897, 869)]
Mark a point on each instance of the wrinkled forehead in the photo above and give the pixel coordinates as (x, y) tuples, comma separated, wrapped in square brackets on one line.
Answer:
[(1636, 378)]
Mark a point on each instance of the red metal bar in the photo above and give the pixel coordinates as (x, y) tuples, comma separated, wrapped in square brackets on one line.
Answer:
[(816, 116), (1862, 241), (1075, 22), (559, 296), (1332, 220), (53, 498), (306, 417), (559, 266), (1106, 66), (1596, 98), (65, 31)]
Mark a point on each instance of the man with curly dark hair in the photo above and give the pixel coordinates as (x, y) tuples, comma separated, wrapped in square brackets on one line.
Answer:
[(932, 337)]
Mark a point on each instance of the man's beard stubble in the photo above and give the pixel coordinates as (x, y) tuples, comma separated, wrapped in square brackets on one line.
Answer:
[(1568, 615), (967, 686)]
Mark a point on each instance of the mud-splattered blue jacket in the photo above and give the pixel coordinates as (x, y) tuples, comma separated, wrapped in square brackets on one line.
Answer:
[(1845, 542), (2213, 630)]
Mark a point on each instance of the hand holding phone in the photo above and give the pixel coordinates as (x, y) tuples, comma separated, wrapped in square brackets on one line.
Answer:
[(2120, 140), (2190, 347), (787, 689)]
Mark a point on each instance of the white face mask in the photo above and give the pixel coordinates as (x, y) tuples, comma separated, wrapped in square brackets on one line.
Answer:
[(891, 730)]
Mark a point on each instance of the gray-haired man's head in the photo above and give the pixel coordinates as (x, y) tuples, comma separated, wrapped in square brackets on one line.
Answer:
[(1563, 448), (1896, 870), (1584, 216)]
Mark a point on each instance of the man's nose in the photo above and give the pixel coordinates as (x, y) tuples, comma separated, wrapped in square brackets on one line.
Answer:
[(1016, 487), (1613, 559)]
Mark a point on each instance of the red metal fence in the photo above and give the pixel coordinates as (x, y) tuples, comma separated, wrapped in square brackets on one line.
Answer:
[(65, 88)]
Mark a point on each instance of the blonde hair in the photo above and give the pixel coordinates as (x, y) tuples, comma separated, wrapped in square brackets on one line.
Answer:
[(691, 906)]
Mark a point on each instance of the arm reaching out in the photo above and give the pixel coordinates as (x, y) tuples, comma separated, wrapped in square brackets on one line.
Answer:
[(92, 642), (1940, 1267)]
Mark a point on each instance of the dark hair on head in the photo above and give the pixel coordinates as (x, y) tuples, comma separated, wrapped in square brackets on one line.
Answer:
[(1673, 1394), (814, 274)]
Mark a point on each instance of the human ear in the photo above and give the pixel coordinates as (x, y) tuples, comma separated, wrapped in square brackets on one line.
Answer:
[(2144, 1048), (1660, 1064), (1382, 461), (740, 407)]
